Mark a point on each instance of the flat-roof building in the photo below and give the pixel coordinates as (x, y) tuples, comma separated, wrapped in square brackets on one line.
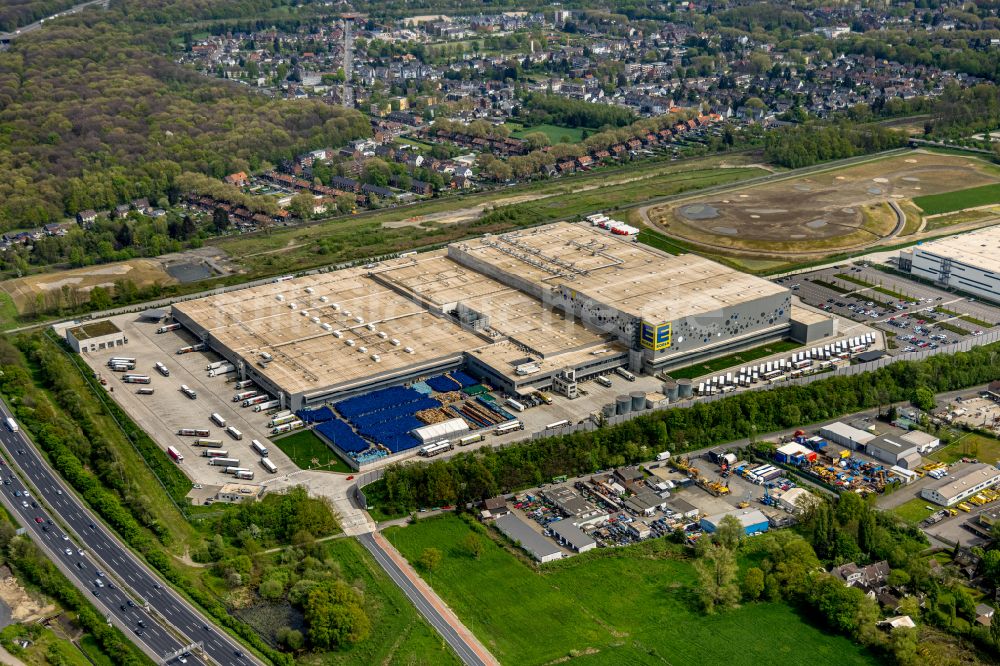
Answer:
[(572, 536), (95, 336), (845, 435), (573, 505), (968, 262), (752, 520), (894, 451), (961, 484), (925, 442), (516, 309), (531, 541)]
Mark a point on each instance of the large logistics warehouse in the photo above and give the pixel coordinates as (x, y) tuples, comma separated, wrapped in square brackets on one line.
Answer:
[(516, 309), (967, 262)]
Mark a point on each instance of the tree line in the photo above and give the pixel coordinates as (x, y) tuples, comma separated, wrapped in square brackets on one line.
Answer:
[(568, 112), (805, 145), (473, 476)]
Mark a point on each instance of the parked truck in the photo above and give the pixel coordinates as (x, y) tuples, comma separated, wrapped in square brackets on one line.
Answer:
[(211, 443), (258, 447), (136, 379), (194, 432), (222, 370), (224, 462), (162, 369), (167, 328), (264, 406), (244, 395), (174, 454), (256, 400)]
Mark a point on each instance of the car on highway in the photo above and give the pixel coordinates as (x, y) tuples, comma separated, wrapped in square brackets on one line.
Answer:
[(24, 504), (68, 551)]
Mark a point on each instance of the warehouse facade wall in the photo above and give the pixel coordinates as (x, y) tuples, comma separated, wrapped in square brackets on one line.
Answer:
[(954, 273)]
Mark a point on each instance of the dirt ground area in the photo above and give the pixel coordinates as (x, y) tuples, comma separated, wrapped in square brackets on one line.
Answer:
[(828, 210), (69, 286), (977, 413), (64, 284), (23, 608)]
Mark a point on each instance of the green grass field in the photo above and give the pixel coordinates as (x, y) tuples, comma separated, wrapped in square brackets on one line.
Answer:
[(48, 648), (629, 606), (697, 370), (305, 446), (660, 242), (947, 202), (8, 311), (914, 511), (554, 132), (399, 634), (969, 445)]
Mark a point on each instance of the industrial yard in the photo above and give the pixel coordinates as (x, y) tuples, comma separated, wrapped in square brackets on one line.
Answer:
[(487, 341)]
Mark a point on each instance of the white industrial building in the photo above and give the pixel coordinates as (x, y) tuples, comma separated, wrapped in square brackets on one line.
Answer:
[(797, 500), (961, 485), (847, 436), (437, 432), (95, 336), (967, 262), (925, 442), (534, 543), (572, 536)]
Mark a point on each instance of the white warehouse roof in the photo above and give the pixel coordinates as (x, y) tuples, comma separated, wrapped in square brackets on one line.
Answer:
[(847, 432), (438, 431)]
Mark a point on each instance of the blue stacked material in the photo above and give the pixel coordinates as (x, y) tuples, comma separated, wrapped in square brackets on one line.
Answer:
[(370, 456), (402, 442), (443, 384), (495, 408), (464, 379), (422, 387), (341, 435), (392, 413), (377, 400), (380, 431), (320, 415)]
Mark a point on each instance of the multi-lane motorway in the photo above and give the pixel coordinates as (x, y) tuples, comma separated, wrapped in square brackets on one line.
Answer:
[(24, 30), (122, 587)]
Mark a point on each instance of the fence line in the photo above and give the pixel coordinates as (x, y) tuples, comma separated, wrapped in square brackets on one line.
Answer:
[(845, 371)]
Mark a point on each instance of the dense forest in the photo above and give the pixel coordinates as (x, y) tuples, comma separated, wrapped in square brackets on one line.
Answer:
[(473, 476), (16, 13), (574, 113), (805, 145), (96, 117)]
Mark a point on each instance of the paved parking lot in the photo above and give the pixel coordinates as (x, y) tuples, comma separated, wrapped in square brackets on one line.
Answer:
[(168, 409), (912, 325)]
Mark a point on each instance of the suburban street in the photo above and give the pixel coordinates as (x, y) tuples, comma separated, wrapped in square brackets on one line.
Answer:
[(172, 623)]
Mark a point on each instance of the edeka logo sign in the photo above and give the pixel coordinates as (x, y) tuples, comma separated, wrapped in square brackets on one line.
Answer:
[(655, 336)]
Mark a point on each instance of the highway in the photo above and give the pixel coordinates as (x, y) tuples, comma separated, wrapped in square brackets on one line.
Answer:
[(170, 623), (465, 651), (31, 27)]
